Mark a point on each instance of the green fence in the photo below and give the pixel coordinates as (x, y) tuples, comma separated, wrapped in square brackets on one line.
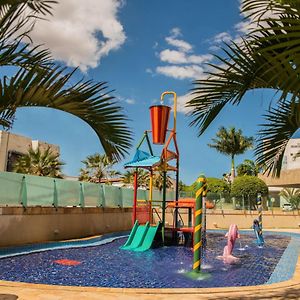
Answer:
[(27, 190)]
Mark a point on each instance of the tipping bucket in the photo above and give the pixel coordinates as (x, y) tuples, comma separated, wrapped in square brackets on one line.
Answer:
[(159, 121)]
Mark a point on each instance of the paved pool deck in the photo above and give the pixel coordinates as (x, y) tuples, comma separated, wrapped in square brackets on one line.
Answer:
[(289, 289)]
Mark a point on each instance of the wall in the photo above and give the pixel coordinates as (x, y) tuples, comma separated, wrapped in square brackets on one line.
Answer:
[(218, 219), (222, 219), (40, 224)]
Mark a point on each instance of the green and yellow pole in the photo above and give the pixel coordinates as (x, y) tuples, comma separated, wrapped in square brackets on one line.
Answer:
[(201, 189), (259, 208)]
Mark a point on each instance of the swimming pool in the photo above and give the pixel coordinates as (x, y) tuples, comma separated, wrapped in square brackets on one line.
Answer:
[(107, 266)]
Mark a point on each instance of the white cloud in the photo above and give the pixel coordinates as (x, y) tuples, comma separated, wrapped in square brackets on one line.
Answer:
[(80, 33), (182, 101), (180, 44), (175, 32), (178, 57), (222, 37), (181, 72), (173, 56), (149, 70), (183, 63), (130, 101)]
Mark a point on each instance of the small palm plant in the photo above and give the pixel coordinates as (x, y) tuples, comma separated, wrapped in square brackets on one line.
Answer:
[(231, 142), (97, 167), (248, 167), (143, 177), (292, 196), (158, 181), (39, 162)]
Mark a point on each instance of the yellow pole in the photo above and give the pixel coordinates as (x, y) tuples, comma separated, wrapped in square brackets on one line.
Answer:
[(175, 104)]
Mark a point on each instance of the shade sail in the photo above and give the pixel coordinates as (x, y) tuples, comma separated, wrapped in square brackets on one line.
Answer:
[(143, 159)]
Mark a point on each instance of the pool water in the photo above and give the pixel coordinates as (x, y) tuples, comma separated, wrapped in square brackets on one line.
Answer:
[(108, 266)]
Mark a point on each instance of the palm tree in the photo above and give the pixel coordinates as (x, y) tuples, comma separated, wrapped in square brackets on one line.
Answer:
[(292, 196), (40, 82), (158, 181), (39, 162), (268, 57), (231, 142), (97, 167), (248, 167), (143, 177)]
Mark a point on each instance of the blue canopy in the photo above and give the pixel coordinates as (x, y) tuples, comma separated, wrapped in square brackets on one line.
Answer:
[(142, 159)]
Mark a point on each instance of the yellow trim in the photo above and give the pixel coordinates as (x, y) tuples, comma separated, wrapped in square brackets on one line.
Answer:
[(150, 187), (198, 227), (197, 246), (201, 179), (198, 212), (199, 192), (196, 264), (175, 105)]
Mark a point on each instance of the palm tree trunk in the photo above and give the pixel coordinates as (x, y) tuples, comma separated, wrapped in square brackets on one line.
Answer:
[(232, 168)]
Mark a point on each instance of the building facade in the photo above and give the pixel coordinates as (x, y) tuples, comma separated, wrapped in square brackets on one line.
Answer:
[(13, 146)]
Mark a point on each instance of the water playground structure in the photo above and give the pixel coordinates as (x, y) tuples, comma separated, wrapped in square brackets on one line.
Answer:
[(144, 233)]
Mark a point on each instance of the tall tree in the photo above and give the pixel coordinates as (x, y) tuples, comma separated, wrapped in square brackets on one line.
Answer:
[(39, 81), (39, 162), (97, 167), (267, 57), (231, 142)]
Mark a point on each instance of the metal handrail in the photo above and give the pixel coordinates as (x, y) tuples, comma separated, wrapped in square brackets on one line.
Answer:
[(155, 210)]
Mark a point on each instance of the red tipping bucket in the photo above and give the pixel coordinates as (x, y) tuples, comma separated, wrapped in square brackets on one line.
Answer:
[(159, 121)]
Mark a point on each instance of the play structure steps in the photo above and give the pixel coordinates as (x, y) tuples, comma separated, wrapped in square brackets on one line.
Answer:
[(141, 237)]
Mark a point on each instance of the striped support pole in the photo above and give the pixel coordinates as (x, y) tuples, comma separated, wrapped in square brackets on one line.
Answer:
[(259, 208), (201, 190), (203, 223)]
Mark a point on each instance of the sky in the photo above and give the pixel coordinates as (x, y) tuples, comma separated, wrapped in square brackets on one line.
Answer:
[(142, 48)]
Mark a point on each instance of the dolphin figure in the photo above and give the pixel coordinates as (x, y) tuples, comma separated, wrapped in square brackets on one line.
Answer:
[(231, 235)]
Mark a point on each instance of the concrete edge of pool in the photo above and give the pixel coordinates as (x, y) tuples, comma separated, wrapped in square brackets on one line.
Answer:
[(289, 289)]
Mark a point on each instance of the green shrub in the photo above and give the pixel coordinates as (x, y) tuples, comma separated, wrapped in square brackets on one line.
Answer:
[(248, 187)]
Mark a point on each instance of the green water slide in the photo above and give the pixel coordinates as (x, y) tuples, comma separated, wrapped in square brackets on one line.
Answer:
[(141, 237), (132, 234), (149, 238), (136, 238)]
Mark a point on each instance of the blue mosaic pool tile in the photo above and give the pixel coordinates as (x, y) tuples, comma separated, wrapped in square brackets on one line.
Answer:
[(107, 265), (287, 264)]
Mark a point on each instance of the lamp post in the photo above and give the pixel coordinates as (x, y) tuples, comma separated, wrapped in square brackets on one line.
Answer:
[(272, 203)]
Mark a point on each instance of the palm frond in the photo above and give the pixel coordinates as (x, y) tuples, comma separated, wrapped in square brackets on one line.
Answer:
[(87, 100), (282, 122)]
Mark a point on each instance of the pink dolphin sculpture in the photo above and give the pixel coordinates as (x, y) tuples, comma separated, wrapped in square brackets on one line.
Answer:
[(231, 235)]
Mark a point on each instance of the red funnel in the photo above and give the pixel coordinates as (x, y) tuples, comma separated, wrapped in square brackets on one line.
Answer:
[(159, 121)]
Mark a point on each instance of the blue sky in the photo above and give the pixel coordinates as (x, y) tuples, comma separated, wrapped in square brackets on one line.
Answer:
[(142, 48)]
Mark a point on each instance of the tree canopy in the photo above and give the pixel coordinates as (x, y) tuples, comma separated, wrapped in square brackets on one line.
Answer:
[(231, 142)]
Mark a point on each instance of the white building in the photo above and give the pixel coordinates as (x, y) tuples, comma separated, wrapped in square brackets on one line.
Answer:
[(290, 172), (291, 158), (13, 145)]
